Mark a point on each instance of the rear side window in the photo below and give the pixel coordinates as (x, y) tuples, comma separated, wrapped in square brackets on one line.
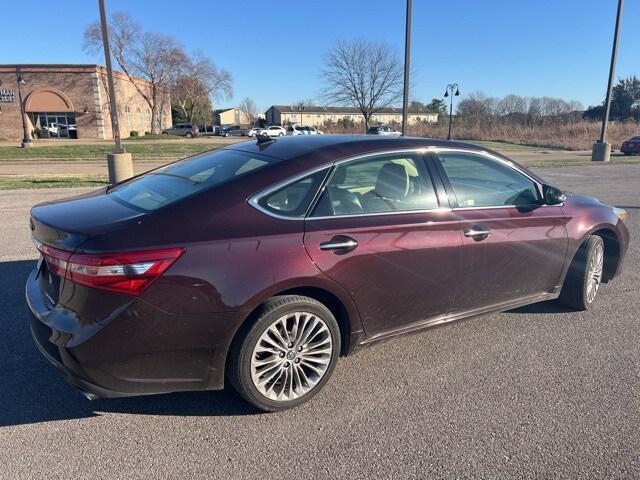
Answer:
[(294, 199), (169, 184), (482, 182)]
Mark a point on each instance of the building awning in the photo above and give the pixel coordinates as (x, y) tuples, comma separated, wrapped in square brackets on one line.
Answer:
[(48, 100)]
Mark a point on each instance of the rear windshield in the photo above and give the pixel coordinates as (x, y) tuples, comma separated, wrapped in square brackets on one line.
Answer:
[(168, 184)]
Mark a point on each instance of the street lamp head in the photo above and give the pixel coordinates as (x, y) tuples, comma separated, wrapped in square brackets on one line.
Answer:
[(457, 92), (446, 93)]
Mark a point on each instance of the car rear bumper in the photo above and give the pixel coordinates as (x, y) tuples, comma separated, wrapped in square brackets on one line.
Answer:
[(139, 350), (52, 354)]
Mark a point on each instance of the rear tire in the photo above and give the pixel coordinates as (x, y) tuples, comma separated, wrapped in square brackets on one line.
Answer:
[(188, 135), (287, 355), (584, 277)]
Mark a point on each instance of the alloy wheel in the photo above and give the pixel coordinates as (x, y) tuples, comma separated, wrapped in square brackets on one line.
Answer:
[(594, 274), (291, 356)]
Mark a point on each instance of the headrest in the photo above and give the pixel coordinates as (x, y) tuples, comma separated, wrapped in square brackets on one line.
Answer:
[(339, 176), (392, 182)]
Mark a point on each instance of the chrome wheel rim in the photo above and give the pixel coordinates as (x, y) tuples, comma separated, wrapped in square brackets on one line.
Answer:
[(291, 356), (594, 275)]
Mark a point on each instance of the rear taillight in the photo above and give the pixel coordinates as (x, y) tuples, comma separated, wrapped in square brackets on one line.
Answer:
[(129, 273)]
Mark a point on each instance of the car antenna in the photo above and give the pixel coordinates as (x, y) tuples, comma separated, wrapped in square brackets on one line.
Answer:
[(263, 139)]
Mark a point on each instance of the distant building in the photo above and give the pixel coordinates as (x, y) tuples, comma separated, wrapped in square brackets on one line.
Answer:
[(230, 116), (71, 101), (317, 116)]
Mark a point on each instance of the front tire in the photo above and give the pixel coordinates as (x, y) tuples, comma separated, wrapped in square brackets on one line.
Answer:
[(287, 355), (584, 277)]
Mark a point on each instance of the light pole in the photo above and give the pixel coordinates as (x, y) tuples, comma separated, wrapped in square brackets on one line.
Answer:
[(407, 63), (602, 149), (119, 162), (26, 137), (451, 91)]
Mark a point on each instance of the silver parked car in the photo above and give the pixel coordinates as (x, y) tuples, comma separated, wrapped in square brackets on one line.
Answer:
[(383, 130)]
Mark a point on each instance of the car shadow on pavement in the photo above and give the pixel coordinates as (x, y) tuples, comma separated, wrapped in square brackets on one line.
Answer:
[(549, 306), (32, 390)]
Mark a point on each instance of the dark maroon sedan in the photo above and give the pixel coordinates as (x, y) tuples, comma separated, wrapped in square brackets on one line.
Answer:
[(631, 146), (261, 263)]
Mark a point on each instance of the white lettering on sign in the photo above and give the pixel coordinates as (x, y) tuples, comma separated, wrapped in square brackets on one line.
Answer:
[(7, 96)]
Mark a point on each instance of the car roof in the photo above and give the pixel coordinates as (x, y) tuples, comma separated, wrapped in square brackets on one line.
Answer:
[(305, 152), (341, 146)]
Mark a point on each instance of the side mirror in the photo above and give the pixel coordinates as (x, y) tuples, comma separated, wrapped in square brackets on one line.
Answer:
[(552, 195)]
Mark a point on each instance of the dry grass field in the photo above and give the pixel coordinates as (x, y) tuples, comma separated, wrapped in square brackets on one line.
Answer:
[(571, 136)]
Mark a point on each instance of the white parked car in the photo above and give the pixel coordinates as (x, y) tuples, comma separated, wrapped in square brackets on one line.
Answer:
[(255, 131), (299, 130), (275, 131)]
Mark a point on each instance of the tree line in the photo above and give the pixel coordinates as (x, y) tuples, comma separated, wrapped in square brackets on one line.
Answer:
[(625, 102)]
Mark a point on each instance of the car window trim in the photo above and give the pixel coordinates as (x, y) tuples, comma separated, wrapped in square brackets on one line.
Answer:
[(421, 151), (254, 199)]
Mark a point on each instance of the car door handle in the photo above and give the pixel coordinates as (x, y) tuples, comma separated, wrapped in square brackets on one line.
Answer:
[(340, 244), (478, 232)]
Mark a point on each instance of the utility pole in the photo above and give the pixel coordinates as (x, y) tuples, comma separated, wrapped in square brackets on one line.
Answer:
[(407, 66), (602, 149), (119, 162)]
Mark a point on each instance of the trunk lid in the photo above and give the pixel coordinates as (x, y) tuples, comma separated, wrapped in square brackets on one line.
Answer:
[(67, 224)]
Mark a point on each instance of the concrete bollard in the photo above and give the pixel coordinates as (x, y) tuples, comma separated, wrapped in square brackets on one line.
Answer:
[(601, 152), (120, 167)]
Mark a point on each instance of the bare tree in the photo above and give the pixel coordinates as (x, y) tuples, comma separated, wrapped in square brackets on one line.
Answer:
[(250, 109), (363, 74), (512, 104), (197, 84), (154, 57), (477, 107)]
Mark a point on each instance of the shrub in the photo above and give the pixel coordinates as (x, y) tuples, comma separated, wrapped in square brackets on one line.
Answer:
[(133, 133), (147, 133)]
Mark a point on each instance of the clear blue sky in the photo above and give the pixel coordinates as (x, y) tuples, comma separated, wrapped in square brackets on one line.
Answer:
[(274, 50)]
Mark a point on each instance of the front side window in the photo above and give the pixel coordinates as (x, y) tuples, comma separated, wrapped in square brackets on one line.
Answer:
[(479, 181), (293, 200), (178, 180), (387, 183)]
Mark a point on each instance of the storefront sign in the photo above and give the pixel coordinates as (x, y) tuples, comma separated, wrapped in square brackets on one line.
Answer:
[(7, 96)]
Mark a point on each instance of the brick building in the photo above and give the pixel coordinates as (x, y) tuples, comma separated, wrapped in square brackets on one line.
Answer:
[(71, 101)]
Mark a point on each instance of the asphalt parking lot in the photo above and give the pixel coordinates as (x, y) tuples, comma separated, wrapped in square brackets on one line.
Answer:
[(538, 392)]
